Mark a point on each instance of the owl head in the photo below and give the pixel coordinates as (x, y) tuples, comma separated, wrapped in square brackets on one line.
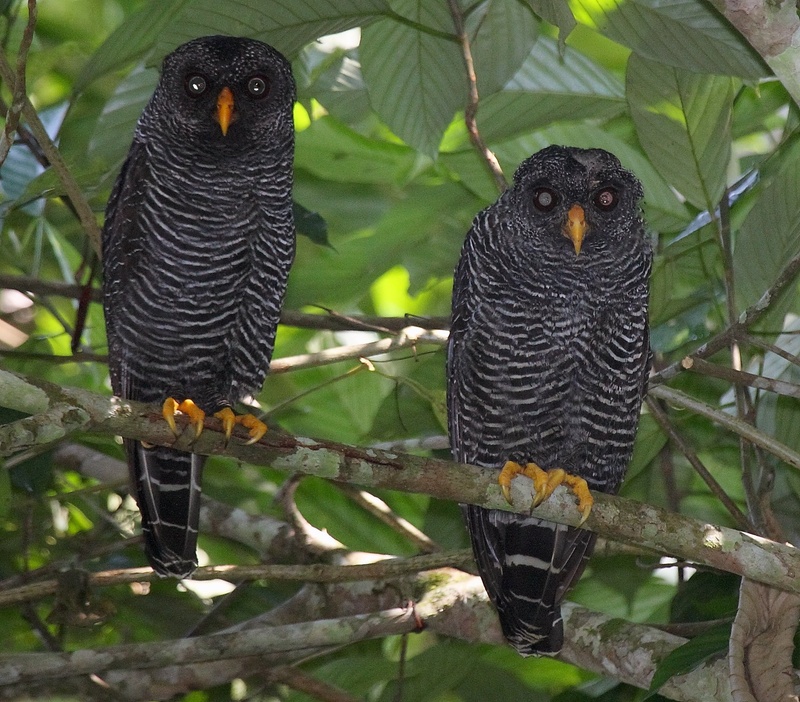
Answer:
[(577, 200), (221, 91)]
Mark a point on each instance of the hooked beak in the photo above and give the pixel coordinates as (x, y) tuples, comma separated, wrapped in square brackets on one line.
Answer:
[(575, 227), (224, 114)]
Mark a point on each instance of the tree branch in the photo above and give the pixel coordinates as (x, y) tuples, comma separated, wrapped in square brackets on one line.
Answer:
[(619, 519)]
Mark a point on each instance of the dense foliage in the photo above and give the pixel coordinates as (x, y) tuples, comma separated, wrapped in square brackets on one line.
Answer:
[(387, 182)]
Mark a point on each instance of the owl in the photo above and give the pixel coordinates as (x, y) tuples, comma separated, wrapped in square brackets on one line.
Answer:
[(547, 367), (198, 240)]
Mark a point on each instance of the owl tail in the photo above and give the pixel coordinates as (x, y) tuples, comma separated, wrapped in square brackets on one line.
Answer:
[(527, 566), (167, 488)]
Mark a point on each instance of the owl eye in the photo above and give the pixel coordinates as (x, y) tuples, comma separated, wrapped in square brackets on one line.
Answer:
[(606, 199), (258, 86), (545, 199), (196, 85)]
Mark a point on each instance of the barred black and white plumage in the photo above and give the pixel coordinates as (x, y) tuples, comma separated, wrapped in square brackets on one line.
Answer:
[(547, 363), (197, 245)]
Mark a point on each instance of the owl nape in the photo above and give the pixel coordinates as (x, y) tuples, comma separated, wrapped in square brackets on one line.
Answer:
[(197, 244), (547, 367)]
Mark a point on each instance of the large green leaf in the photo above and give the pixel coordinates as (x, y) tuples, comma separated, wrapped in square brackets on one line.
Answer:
[(286, 24), (131, 40), (330, 150), (502, 35), (683, 121), (681, 33), (416, 80), (114, 129), (550, 86), (557, 13), (770, 235)]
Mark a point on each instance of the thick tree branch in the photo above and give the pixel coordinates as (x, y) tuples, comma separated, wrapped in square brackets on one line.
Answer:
[(773, 30), (621, 520)]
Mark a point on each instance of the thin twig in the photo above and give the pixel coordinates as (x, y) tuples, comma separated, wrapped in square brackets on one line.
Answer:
[(741, 378), (73, 191), (471, 108), (408, 337), (317, 573), (742, 522), (749, 317), (742, 429), (18, 86), (380, 510)]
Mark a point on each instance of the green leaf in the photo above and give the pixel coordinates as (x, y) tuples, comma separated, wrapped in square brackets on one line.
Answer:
[(557, 13), (680, 33), (330, 150), (130, 41), (339, 87), (502, 35), (684, 124), (770, 234), (310, 224), (686, 658), (416, 80), (288, 25), (550, 86), (114, 129)]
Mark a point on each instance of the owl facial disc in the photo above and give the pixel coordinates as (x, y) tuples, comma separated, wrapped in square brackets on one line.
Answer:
[(575, 227), (224, 114)]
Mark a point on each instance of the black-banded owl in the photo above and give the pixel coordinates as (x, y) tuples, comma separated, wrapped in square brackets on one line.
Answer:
[(198, 241), (547, 367)]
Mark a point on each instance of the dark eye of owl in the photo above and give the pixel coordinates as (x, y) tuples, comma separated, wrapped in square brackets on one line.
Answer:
[(545, 199), (258, 86), (606, 199), (196, 84)]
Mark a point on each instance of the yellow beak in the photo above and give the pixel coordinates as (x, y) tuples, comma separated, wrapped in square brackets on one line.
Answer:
[(575, 227), (225, 109)]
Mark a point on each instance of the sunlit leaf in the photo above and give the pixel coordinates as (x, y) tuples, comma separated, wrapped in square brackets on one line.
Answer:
[(557, 13), (680, 33)]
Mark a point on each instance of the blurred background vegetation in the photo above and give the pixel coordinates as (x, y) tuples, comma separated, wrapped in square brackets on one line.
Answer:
[(387, 183)]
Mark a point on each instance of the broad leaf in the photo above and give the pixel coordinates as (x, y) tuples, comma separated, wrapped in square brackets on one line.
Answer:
[(131, 40), (770, 235), (557, 13), (502, 35), (681, 33), (416, 80), (550, 86), (288, 25), (683, 121)]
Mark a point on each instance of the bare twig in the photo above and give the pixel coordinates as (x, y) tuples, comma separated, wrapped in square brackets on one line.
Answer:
[(87, 218), (18, 85), (739, 377), (406, 338), (471, 109), (663, 421), (379, 509)]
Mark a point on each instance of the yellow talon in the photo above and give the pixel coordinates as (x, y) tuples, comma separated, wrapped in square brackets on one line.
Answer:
[(189, 408), (228, 419), (168, 410), (544, 484), (255, 427)]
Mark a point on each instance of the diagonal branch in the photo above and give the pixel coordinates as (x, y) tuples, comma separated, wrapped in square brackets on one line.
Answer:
[(616, 518)]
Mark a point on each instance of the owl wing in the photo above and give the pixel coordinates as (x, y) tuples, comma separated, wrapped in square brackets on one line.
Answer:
[(527, 565), (166, 482)]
